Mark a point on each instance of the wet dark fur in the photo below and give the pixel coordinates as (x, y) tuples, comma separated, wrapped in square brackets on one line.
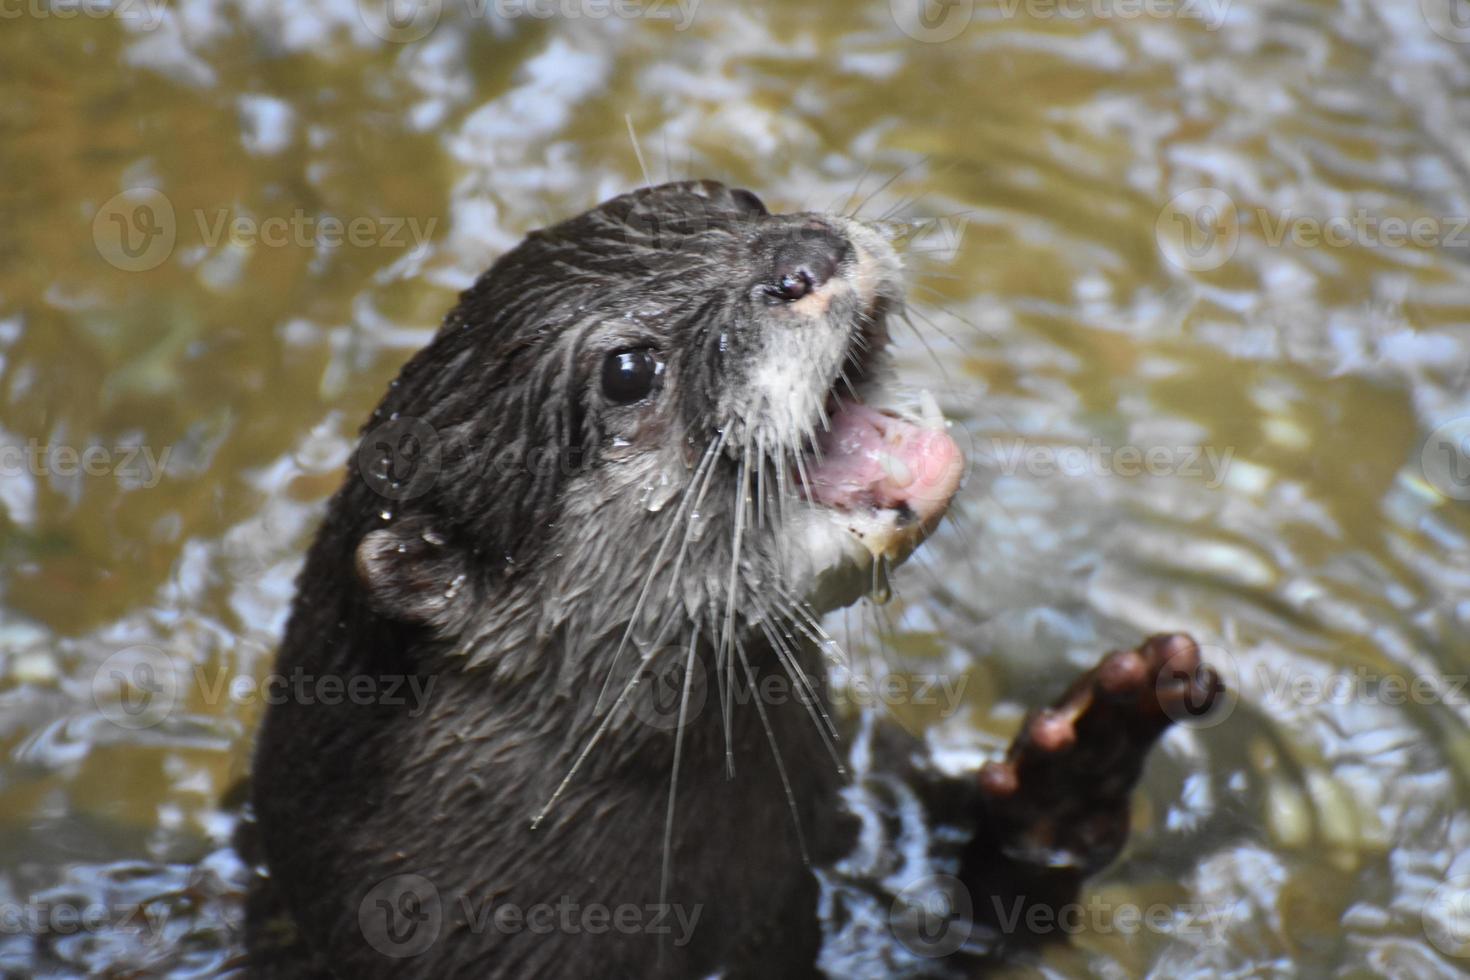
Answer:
[(349, 795)]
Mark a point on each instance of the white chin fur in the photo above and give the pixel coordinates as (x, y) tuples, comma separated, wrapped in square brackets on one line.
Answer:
[(828, 555)]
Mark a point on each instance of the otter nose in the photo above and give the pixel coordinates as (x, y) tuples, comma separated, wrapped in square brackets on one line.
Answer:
[(807, 261)]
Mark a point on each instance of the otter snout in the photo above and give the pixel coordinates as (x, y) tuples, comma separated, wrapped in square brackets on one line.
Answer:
[(805, 265)]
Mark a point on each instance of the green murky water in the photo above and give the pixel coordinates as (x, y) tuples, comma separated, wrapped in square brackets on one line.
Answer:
[(1243, 414)]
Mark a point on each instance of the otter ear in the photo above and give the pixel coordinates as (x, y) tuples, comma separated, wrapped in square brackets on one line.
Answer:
[(411, 573)]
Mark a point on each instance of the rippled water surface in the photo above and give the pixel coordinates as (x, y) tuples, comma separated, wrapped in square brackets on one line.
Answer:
[(1243, 414)]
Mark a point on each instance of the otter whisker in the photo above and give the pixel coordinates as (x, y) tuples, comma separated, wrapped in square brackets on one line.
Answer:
[(822, 414), (933, 356), (597, 735), (912, 199), (947, 311), (801, 466), (706, 466), (637, 150), (776, 752), (742, 491), (857, 186), (924, 564), (760, 478), (929, 321), (772, 618), (884, 186), (716, 449), (668, 847), (825, 727), (783, 488), (671, 617), (812, 627)]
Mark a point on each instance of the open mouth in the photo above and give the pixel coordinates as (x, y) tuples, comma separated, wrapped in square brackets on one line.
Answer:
[(889, 477)]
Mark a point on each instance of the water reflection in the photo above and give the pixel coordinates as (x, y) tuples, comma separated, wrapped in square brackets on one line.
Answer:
[(1193, 284)]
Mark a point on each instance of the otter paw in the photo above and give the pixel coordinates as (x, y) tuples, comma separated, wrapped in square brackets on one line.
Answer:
[(1060, 798)]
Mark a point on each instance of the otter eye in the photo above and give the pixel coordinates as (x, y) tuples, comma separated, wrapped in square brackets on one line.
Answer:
[(628, 376)]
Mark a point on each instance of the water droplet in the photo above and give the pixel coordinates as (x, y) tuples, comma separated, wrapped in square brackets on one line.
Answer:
[(656, 496)]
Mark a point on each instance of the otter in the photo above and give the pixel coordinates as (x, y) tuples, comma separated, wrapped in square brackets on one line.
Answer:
[(596, 521)]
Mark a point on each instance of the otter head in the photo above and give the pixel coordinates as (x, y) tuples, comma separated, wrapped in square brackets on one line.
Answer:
[(662, 417)]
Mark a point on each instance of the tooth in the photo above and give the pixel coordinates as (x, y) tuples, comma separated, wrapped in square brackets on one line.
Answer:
[(929, 411), (897, 470)]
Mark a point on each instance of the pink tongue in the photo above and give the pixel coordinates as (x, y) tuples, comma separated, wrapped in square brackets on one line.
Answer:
[(869, 459)]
